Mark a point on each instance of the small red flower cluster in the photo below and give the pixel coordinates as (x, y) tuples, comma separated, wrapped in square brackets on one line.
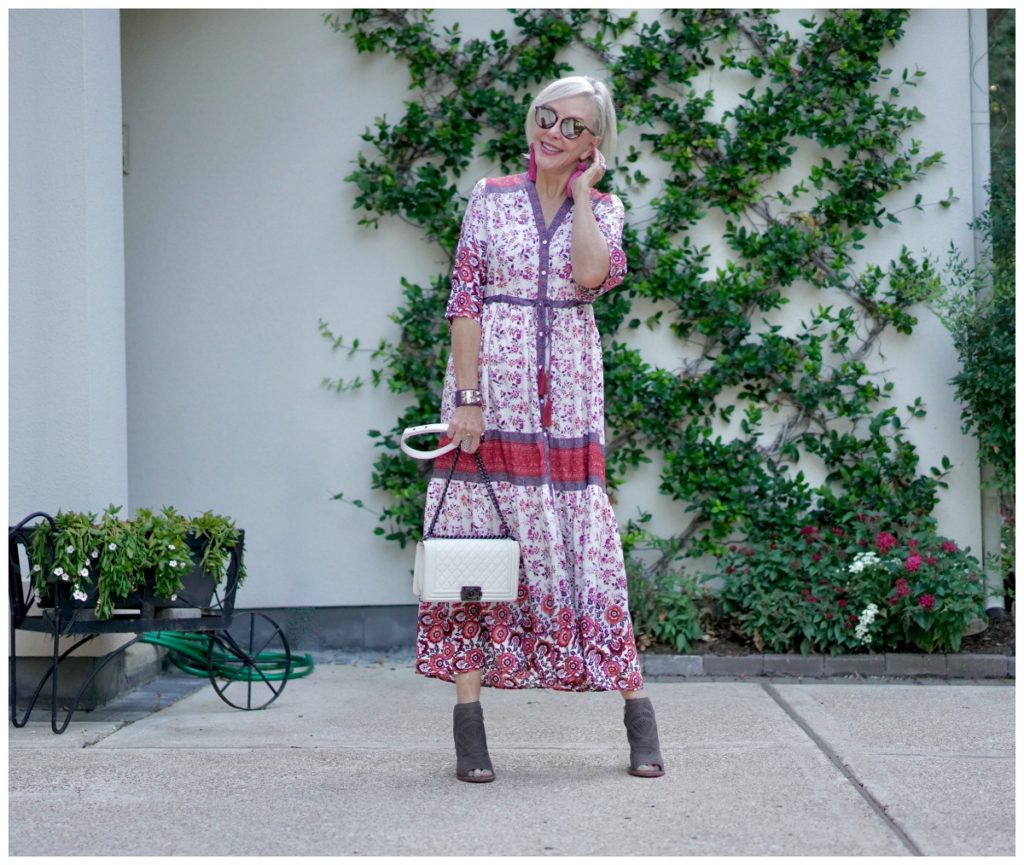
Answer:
[(885, 542)]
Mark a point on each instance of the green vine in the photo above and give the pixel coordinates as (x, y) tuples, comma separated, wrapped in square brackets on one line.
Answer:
[(756, 397)]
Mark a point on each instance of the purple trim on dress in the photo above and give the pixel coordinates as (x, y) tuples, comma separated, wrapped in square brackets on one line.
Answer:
[(544, 235), (534, 301), (514, 480), (538, 437)]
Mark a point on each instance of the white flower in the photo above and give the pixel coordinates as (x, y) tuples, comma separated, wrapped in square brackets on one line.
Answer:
[(58, 572), (862, 561), (71, 549), (95, 554), (174, 597), (112, 547), (866, 618), (80, 596), (170, 546), (84, 572), (174, 563), (37, 568)]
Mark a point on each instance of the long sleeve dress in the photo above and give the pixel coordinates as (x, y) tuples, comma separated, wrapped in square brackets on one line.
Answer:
[(541, 377)]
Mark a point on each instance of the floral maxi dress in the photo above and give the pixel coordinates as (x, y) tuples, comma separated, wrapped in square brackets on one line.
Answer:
[(541, 377)]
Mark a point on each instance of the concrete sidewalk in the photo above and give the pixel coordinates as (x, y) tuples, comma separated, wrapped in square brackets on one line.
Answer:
[(357, 759)]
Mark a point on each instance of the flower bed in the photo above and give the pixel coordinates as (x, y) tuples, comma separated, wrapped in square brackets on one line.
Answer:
[(863, 584)]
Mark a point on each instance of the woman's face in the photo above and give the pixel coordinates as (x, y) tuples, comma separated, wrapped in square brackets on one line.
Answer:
[(552, 150)]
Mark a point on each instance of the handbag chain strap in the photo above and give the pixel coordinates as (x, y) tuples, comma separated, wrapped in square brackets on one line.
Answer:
[(505, 533)]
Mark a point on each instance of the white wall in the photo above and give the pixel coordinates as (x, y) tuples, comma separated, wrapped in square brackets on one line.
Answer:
[(67, 393), (240, 236)]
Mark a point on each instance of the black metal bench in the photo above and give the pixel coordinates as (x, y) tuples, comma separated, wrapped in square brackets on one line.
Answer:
[(241, 650)]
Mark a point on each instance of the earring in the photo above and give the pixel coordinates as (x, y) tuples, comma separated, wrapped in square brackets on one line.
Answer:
[(531, 171)]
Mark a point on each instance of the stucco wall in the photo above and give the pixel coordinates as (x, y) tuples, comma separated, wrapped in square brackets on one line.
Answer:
[(67, 392), (240, 235)]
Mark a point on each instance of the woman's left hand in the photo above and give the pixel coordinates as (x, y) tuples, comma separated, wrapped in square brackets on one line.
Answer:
[(592, 176)]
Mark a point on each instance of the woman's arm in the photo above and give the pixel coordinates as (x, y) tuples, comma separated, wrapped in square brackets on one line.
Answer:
[(468, 420), (590, 260)]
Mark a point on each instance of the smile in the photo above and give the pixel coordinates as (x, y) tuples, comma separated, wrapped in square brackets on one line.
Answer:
[(547, 148)]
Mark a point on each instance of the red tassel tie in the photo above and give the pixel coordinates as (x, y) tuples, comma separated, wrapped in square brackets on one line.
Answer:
[(542, 392)]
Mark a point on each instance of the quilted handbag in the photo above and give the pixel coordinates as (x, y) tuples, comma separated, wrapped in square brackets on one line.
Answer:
[(457, 569)]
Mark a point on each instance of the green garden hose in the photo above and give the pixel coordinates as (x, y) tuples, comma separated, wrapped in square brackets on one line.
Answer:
[(188, 652)]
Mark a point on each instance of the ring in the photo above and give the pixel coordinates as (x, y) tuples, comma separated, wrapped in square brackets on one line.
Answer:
[(466, 442)]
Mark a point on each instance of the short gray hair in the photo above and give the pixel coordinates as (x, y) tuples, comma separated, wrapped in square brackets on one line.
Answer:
[(604, 109)]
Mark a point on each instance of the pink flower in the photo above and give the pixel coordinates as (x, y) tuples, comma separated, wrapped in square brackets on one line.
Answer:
[(949, 546), (612, 668), (885, 542), (574, 666), (506, 661), (927, 602), (902, 588), (913, 562)]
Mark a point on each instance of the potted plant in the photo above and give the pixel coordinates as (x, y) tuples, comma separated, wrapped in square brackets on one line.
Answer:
[(163, 560)]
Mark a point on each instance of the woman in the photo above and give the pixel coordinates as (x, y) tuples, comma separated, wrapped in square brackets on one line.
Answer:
[(525, 385)]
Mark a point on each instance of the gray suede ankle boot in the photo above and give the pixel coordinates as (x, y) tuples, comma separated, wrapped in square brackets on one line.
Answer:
[(471, 743), (645, 759)]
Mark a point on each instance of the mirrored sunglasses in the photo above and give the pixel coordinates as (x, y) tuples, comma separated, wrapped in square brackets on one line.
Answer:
[(570, 127)]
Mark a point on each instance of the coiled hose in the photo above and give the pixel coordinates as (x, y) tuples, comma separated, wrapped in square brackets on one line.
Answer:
[(188, 652)]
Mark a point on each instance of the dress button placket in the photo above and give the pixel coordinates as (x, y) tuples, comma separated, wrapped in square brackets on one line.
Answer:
[(543, 314)]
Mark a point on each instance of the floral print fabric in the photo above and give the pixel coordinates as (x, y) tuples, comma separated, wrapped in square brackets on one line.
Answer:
[(541, 377)]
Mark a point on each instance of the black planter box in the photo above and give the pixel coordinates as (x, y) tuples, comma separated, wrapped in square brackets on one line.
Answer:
[(197, 592)]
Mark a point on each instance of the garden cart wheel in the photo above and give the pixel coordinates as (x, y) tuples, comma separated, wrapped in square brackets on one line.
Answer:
[(248, 663)]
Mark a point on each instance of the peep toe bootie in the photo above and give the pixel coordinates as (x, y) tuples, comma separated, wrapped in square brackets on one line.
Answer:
[(645, 759), (471, 744)]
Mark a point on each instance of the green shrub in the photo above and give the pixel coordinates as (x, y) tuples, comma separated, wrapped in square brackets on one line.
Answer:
[(667, 611), (863, 583)]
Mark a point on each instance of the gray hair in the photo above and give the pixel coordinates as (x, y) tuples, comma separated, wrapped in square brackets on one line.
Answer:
[(604, 109)]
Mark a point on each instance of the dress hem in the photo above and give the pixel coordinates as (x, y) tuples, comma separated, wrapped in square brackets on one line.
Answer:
[(579, 687)]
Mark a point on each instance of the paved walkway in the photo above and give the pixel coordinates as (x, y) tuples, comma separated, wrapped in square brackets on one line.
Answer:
[(357, 759)]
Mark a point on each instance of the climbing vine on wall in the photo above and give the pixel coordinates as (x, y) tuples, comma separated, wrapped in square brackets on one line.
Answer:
[(759, 394)]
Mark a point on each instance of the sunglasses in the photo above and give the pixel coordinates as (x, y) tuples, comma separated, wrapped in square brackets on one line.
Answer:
[(570, 127)]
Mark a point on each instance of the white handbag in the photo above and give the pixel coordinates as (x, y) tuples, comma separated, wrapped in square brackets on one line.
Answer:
[(458, 569)]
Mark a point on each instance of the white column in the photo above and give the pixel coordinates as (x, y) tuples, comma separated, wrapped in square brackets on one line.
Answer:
[(981, 147), (67, 394)]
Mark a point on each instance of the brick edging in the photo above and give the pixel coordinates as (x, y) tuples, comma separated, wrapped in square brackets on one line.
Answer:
[(948, 666)]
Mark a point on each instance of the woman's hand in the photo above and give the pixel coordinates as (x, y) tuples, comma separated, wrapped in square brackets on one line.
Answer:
[(591, 177), (467, 422)]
